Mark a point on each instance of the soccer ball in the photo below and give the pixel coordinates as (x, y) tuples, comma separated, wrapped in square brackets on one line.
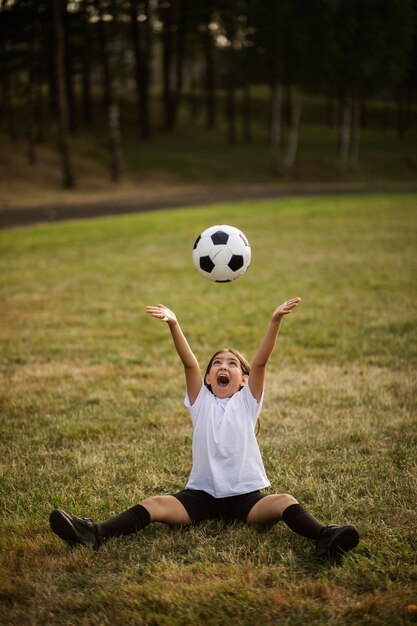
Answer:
[(221, 253)]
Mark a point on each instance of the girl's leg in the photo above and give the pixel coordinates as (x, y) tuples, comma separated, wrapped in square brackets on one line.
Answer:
[(270, 509), (284, 507), (83, 531), (329, 540), (165, 509)]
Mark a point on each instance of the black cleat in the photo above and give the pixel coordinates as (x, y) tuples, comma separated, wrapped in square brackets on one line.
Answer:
[(335, 540), (74, 530)]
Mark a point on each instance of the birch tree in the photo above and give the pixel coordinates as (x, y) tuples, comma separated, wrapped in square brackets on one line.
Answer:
[(369, 60)]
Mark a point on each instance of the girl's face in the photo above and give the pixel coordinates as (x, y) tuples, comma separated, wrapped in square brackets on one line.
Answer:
[(225, 376)]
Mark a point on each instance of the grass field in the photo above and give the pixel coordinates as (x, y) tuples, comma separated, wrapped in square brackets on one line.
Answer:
[(92, 418)]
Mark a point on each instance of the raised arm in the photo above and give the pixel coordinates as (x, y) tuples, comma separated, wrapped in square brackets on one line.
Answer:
[(258, 366), (193, 378)]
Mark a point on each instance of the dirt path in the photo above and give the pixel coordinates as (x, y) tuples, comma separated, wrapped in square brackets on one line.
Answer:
[(29, 215)]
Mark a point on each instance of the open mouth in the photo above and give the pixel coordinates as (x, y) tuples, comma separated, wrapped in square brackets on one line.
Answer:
[(222, 380)]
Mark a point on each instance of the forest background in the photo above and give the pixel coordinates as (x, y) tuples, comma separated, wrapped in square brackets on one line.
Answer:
[(143, 97)]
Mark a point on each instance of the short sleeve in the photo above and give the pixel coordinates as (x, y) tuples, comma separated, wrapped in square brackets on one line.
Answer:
[(250, 404), (194, 409), (199, 397)]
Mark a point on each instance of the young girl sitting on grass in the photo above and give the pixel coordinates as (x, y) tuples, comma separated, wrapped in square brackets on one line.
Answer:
[(227, 471)]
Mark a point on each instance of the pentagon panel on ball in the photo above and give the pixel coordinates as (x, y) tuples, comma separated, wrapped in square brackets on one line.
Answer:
[(221, 253)]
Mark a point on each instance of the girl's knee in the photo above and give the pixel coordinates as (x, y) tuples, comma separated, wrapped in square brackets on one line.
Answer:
[(155, 506), (281, 502), (287, 499), (270, 509), (167, 509)]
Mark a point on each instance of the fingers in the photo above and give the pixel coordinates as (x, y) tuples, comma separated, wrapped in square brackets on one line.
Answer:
[(160, 312), (157, 311), (286, 307), (290, 304)]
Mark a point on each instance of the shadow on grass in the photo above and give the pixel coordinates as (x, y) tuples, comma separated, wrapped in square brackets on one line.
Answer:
[(218, 544)]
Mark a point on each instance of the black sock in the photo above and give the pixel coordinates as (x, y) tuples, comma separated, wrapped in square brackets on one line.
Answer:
[(302, 522), (126, 523)]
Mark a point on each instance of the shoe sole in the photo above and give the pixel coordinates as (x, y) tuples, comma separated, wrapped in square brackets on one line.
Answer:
[(344, 540), (62, 526)]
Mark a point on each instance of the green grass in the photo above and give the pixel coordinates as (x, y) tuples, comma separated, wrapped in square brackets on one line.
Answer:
[(92, 418), (202, 156)]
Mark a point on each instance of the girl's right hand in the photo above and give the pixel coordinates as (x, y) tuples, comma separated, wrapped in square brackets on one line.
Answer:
[(162, 313)]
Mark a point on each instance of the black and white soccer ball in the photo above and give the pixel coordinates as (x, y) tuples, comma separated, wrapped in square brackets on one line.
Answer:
[(222, 253)]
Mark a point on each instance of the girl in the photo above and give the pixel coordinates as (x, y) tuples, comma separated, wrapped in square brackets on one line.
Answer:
[(227, 471)]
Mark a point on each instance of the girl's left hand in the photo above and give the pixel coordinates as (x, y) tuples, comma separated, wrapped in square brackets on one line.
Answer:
[(285, 308)]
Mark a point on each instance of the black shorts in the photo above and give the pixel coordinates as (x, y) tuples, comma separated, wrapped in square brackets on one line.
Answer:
[(200, 505)]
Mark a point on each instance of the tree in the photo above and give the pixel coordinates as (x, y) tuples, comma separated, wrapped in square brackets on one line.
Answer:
[(174, 16), (8, 24), (67, 169), (86, 46), (209, 73), (346, 50), (232, 14), (107, 36), (140, 16), (368, 61), (270, 21), (406, 88)]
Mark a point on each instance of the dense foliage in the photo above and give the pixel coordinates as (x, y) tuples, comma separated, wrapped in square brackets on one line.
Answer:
[(59, 58)]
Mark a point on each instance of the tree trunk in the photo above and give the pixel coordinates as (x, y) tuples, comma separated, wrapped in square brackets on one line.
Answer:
[(363, 113), (67, 170), (69, 73), (87, 105), (401, 115), (193, 103), (294, 126), (231, 109), (111, 93), (276, 125), (141, 39), (30, 92), (30, 117), (146, 75), (69, 78), (355, 133), (166, 12), (51, 79), (6, 92), (247, 114), (331, 111), (86, 93), (40, 115), (209, 80), (8, 106), (182, 20), (345, 134)]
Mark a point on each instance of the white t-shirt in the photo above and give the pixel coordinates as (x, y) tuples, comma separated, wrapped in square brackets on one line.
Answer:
[(226, 456)]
